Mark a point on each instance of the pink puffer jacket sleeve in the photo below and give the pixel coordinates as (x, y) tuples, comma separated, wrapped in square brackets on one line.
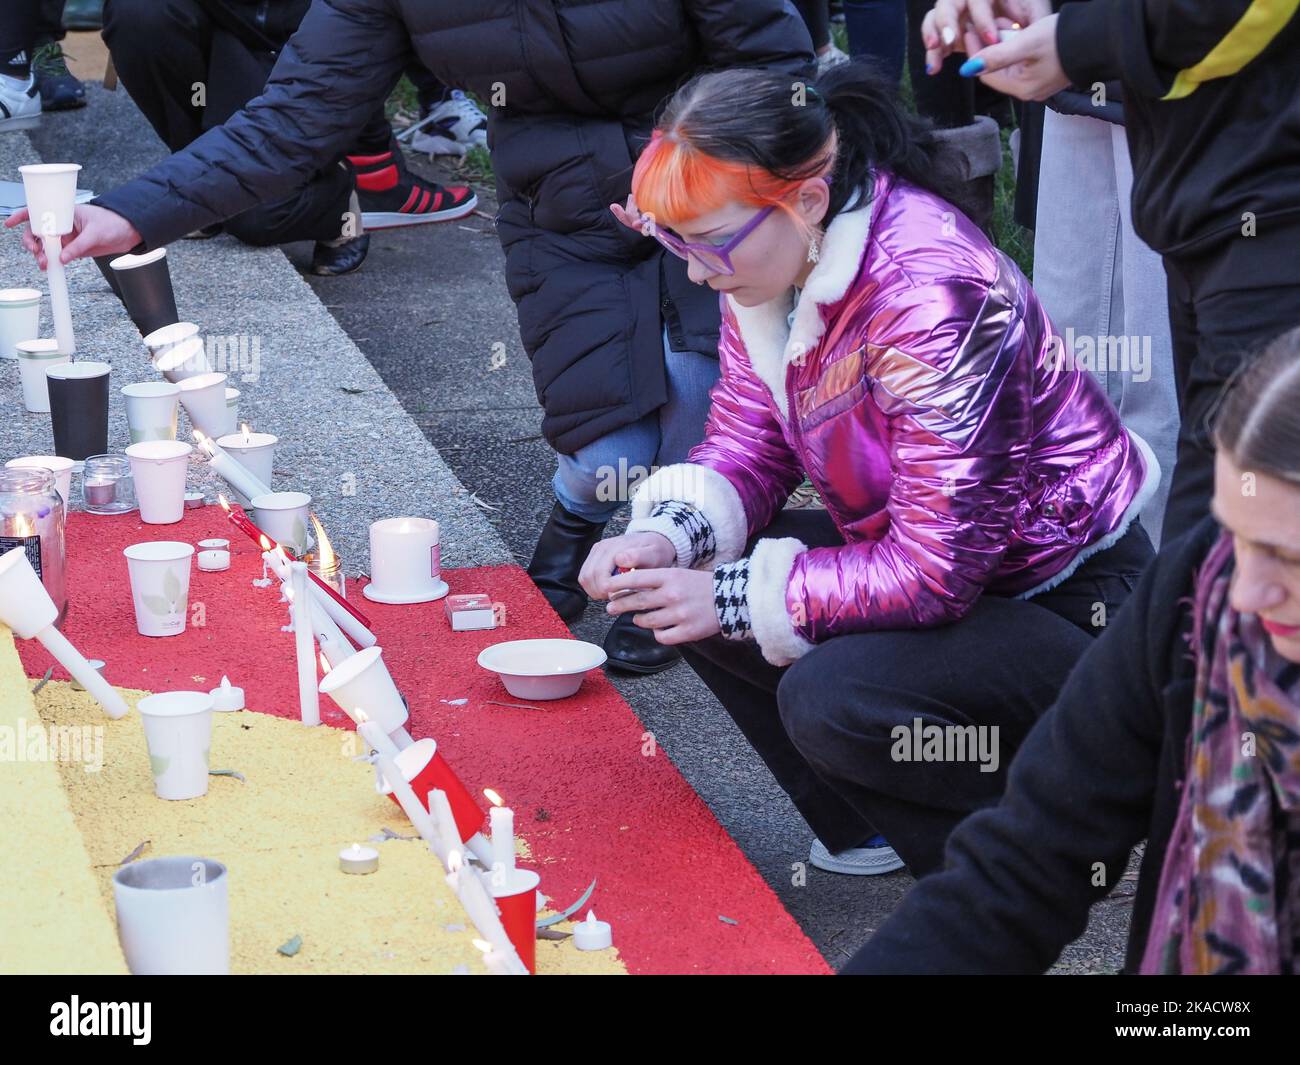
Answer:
[(952, 368), (742, 472)]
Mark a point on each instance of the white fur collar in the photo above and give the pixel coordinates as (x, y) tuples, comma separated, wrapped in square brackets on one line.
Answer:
[(770, 340)]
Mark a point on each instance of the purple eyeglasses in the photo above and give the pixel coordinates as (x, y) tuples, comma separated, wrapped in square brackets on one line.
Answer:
[(715, 258)]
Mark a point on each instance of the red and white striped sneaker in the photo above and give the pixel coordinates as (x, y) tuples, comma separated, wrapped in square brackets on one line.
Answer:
[(391, 196)]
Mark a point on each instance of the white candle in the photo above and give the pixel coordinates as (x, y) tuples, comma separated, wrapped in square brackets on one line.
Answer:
[(385, 753), (334, 646), (482, 909), (503, 843), (73, 661), (304, 644), (440, 809), (59, 307), (239, 478)]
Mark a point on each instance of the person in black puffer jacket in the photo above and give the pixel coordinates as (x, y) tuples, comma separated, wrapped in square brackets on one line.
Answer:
[(571, 87)]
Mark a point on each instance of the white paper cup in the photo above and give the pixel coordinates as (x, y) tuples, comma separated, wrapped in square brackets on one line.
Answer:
[(363, 682), (20, 318), (256, 453), (173, 916), (283, 517), (34, 358), (166, 338), (160, 585), (231, 423), (178, 730), (204, 399), (51, 190), (25, 605), (57, 464), (151, 410), (183, 360), (158, 468)]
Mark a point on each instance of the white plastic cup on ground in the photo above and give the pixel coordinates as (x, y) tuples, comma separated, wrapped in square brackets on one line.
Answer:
[(20, 318), (178, 731), (151, 410), (34, 358), (183, 360), (363, 682), (160, 585), (256, 453), (231, 424), (57, 464), (204, 399), (166, 338), (158, 468), (173, 916), (283, 516)]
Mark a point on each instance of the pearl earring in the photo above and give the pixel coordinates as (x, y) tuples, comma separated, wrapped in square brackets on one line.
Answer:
[(814, 251)]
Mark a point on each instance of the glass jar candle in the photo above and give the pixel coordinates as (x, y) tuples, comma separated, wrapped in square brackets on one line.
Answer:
[(32, 517), (106, 485), (329, 570)]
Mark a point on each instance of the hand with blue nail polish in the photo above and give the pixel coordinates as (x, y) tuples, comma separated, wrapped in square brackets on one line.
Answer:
[(1025, 65)]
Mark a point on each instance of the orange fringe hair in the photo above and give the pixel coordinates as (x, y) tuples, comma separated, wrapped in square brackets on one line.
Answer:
[(674, 181)]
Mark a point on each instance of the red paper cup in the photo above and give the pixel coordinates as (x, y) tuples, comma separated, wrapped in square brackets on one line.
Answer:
[(517, 902), (425, 769)]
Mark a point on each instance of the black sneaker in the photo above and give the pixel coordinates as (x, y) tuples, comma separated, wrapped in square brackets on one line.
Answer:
[(390, 196), (59, 90)]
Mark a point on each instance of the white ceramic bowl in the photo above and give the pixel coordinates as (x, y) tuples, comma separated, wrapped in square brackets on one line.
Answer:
[(542, 669)]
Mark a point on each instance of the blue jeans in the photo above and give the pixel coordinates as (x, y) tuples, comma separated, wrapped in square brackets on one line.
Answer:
[(598, 478)]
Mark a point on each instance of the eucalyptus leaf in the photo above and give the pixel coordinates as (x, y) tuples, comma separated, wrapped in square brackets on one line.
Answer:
[(291, 948), (134, 854), (556, 918)]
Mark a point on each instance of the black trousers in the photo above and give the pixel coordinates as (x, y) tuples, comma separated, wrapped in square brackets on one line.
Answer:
[(826, 725), (162, 49), (1224, 306)]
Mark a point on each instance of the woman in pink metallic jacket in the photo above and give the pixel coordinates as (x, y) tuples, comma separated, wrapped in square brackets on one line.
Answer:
[(884, 656)]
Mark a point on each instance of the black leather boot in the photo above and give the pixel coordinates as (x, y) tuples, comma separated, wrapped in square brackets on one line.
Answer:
[(633, 649), (558, 557)]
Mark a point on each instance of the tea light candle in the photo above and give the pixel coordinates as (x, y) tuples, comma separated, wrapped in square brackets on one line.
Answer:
[(358, 860), (227, 697), (100, 491), (193, 500), (592, 934), (213, 561), (304, 639)]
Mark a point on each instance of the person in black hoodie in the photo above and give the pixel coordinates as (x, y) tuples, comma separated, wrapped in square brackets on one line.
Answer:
[(571, 90), (1211, 98), (1180, 725)]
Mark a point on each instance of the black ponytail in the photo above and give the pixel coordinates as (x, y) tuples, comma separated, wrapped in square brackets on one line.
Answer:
[(784, 126)]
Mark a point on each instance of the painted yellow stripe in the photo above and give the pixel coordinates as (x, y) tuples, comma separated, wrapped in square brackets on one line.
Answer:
[(1254, 31)]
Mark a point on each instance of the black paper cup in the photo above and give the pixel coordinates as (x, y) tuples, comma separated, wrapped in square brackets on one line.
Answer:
[(145, 286), (79, 408), (110, 275)]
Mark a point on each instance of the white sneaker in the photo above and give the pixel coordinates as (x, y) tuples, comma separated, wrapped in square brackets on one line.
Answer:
[(20, 103), (858, 861), (458, 119), (832, 57)]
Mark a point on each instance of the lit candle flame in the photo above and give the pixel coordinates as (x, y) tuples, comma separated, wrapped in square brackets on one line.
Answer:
[(483, 945), (246, 430), (225, 503), (266, 544), (359, 716), (225, 684), (324, 663), (493, 797), (356, 848), (325, 550)]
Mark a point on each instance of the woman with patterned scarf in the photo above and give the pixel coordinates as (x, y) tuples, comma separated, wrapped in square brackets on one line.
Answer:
[(1180, 725)]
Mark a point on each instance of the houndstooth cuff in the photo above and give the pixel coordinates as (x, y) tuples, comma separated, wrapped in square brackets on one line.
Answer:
[(731, 599), (686, 528)]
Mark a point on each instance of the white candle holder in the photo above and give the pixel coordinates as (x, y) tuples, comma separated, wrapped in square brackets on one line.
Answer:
[(51, 193), (20, 319), (405, 561), (255, 452), (178, 732), (283, 517), (151, 410), (183, 360), (160, 585), (158, 468), (363, 682), (164, 339), (34, 358)]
